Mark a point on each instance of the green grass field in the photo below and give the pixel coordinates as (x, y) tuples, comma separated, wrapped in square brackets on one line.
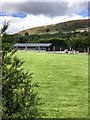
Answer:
[(63, 80)]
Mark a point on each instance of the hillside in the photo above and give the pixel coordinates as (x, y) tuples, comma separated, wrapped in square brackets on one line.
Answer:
[(54, 28)]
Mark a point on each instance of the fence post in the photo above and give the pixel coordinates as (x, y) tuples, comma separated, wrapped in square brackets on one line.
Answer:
[(70, 49), (25, 47), (39, 48), (60, 50), (48, 49), (54, 49), (84, 50), (88, 50)]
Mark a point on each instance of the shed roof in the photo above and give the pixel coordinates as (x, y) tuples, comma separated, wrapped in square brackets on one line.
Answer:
[(32, 44)]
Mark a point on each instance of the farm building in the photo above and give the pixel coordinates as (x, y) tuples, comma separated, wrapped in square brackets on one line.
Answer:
[(33, 46)]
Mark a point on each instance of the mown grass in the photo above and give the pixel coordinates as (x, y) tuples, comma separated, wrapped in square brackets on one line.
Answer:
[(63, 80)]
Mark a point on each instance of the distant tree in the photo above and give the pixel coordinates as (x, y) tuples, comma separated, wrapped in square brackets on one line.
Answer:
[(65, 24), (47, 30), (26, 33), (78, 42), (60, 32), (18, 97)]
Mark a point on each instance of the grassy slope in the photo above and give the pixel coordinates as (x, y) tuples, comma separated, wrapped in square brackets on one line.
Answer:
[(63, 82), (68, 26)]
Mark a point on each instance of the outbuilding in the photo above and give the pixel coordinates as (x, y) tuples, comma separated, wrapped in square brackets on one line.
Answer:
[(33, 46)]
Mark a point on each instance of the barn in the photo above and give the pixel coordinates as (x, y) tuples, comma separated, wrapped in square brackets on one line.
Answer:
[(33, 46)]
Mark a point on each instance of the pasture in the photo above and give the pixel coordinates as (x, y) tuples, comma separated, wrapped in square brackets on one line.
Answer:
[(63, 80)]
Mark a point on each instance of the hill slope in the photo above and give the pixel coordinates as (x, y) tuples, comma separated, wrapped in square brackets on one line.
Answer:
[(65, 26)]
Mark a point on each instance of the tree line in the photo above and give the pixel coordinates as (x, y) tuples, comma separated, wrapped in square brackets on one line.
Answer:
[(78, 41)]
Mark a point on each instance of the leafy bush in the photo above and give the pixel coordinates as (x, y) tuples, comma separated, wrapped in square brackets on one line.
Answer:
[(18, 97)]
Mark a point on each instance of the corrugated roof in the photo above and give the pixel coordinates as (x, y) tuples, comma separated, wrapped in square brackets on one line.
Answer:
[(33, 44)]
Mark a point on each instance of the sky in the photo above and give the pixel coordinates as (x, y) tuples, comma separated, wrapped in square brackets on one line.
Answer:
[(26, 14)]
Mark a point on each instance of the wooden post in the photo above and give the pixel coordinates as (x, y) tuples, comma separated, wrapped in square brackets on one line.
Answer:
[(60, 49), (25, 47), (54, 49), (88, 50), (70, 49), (48, 48), (84, 50), (39, 48)]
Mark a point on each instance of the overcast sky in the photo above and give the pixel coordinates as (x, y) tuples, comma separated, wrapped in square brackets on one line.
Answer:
[(26, 14)]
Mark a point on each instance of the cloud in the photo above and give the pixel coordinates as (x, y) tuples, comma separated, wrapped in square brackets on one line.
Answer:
[(51, 9), (11, 1), (30, 21)]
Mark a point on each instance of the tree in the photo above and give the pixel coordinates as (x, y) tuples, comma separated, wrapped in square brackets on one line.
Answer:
[(18, 97), (47, 30), (26, 33), (78, 42)]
